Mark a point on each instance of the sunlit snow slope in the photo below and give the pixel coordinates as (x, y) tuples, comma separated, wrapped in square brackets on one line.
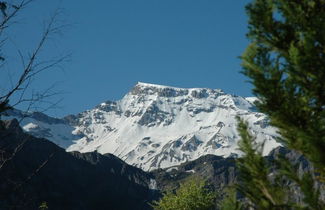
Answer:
[(156, 126)]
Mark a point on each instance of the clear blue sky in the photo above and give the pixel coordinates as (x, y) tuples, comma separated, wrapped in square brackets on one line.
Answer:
[(116, 43)]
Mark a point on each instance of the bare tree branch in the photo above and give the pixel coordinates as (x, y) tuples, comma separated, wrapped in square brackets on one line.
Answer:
[(35, 171), (17, 8), (16, 150), (31, 67), (19, 86)]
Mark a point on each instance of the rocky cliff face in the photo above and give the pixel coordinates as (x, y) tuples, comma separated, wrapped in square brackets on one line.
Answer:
[(222, 172), (219, 172), (155, 126)]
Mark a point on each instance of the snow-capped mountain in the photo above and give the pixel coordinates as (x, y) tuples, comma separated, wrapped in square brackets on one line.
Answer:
[(155, 126)]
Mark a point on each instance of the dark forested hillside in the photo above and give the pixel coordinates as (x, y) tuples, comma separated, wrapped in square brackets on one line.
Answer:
[(35, 170)]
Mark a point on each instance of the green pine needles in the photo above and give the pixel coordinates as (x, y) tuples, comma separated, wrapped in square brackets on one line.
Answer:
[(254, 171), (264, 184), (286, 64)]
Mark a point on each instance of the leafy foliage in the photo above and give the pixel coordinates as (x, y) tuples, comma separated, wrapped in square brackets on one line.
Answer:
[(305, 181), (43, 206), (254, 181), (230, 201), (286, 64), (265, 187), (191, 195)]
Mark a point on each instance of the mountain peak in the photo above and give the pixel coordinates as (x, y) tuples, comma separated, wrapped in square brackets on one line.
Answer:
[(157, 126), (144, 84), (142, 88)]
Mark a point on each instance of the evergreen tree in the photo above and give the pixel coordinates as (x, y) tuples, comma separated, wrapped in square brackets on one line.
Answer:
[(191, 195), (263, 187), (254, 181), (286, 64)]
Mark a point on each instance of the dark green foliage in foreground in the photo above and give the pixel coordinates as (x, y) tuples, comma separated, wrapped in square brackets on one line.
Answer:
[(230, 202), (266, 188), (254, 171), (286, 64), (191, 195), (43, 206)]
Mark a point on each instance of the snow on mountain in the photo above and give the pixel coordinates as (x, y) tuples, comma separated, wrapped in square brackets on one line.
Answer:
[(40, 125), (155, 126)]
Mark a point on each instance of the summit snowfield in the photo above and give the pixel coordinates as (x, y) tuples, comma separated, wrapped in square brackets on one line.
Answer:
[(155, 126)]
